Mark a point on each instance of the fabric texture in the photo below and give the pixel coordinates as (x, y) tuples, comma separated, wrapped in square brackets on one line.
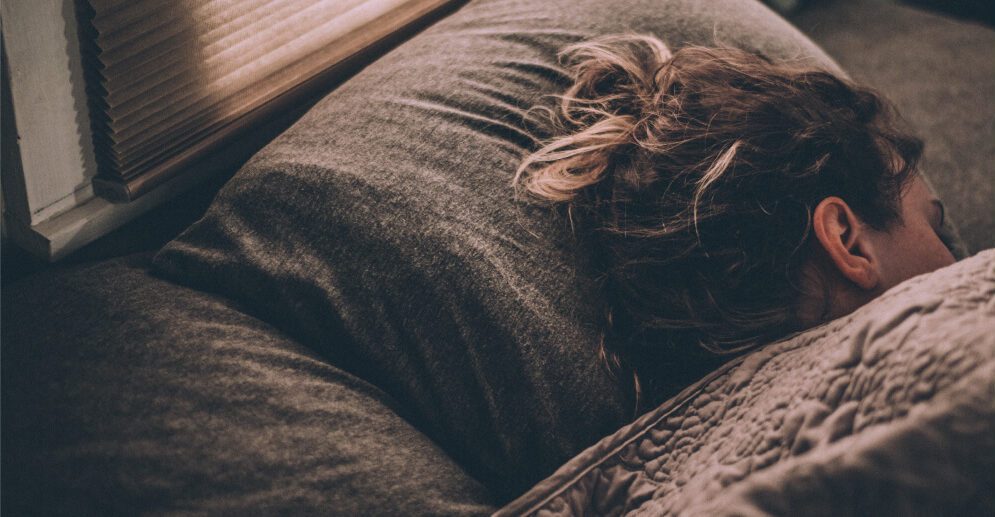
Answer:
[(887, 411), (394, 334), (124, 394), (381, 230)]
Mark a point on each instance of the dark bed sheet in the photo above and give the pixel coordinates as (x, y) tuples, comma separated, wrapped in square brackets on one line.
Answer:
[(125, 394)]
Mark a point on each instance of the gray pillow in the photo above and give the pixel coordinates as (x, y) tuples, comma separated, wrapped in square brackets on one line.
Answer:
[(381, 230), (125, 394)]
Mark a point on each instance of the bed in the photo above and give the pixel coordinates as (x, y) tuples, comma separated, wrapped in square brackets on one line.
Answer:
[(366, 322)]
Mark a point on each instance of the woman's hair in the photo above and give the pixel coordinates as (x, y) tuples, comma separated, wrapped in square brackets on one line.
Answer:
[(694, 175)]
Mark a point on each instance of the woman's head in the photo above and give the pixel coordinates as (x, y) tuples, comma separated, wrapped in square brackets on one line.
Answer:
[(708, 179)]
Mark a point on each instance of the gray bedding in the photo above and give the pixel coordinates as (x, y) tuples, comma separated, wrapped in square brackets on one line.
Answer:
[(887, 411), (124, 394), (365, 322), (381, 231)]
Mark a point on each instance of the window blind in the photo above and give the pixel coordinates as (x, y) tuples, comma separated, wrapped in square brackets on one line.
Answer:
[(171, 81)]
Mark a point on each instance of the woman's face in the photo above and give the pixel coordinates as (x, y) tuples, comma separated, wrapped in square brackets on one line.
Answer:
[(912, 247), (865, 264)]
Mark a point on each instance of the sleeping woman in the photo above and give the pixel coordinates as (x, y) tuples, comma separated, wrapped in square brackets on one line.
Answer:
[(728, 200)]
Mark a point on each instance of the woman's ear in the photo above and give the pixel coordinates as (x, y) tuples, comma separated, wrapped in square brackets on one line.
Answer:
[(846, 241)]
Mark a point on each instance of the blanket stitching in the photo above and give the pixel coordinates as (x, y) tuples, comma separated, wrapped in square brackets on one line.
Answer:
[(680, 400)]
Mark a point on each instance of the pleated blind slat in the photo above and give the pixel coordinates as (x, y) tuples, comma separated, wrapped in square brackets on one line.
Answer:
[(110, 5), (207, 42), (253, 63), (119, 45), (171, 80), (202, 70)]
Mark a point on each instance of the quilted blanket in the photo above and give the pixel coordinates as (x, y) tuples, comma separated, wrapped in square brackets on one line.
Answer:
[(888, 411)]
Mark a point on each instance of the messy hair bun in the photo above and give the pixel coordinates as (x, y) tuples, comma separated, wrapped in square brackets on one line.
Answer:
[(695, 174), (599, 113)]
